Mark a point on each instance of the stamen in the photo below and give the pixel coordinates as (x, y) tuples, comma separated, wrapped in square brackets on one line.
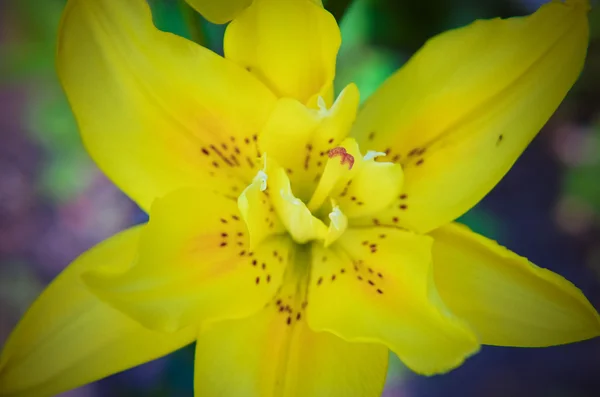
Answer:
[(347, 158)]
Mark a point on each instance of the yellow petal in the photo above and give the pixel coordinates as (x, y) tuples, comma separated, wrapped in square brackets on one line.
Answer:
[(373, 188), (69, 338), (337, 225), (156, 111), (219, 11), (508, 300), (194, 265), (257, 210), (293, 213), (361, 185), (274, 354), (462, 110), (291, 45), (299, 138), (376, 285), (339, 170)]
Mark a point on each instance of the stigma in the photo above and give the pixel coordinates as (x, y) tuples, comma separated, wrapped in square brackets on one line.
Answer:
[(347, 158)]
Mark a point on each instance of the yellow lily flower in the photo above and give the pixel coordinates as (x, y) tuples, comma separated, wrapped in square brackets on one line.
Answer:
[(296, 239)]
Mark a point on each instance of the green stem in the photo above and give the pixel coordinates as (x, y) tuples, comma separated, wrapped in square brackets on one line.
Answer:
[(193, 22)]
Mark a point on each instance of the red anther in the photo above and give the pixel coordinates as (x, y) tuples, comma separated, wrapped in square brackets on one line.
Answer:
[(347, 158)]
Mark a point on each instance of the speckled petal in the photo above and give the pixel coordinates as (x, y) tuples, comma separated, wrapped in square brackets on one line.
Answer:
[(156, 111), (299, 138), (464, 108), (376, 285), (194, 265), (274, 354)]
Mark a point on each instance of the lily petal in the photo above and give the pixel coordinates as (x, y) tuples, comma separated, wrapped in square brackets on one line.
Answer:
[(302, 225), (257, 210), (376, 285), (462, 110), (194, 265), (299, 138), (69, 338), (273, 353), (291, 45), (508, 300), (156, 111)]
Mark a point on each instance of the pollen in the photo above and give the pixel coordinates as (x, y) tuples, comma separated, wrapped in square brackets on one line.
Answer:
[(347, 158)]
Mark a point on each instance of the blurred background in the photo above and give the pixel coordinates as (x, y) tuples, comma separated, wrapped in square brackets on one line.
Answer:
[(54, 203)]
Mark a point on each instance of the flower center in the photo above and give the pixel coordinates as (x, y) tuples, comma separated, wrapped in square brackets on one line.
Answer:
[(343, 192)]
